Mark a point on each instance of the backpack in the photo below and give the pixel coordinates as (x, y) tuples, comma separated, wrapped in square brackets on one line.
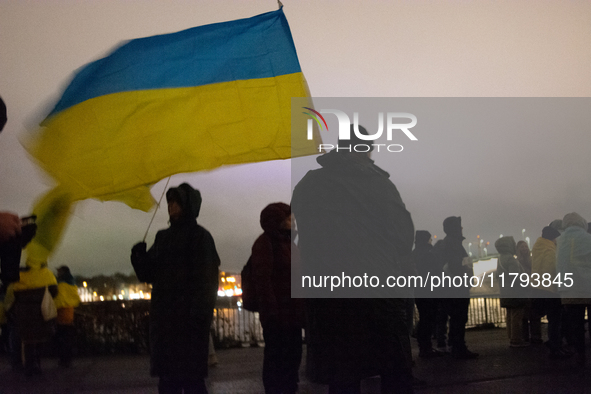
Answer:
[(249, 296)]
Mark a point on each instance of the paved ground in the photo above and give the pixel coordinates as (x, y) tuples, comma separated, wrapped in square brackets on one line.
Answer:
[(499, 369)]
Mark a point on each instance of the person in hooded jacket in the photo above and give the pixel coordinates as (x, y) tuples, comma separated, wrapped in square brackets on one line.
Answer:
[(573, 260), (425, 263), (182, 266), (452, 256), (281, 316), (513, 298), (23, 303), (351, 219)]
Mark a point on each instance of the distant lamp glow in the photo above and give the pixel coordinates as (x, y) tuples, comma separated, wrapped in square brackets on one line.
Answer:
[(221, 293), (84, 284), (229, 292), (102, 298)]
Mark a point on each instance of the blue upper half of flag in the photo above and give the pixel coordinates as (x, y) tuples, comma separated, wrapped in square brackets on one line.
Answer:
[(251, 48)]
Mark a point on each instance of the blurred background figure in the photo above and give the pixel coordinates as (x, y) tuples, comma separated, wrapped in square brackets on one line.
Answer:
[(532, 321), (546, 300), (512, 298), (574, 257), (67, 299)]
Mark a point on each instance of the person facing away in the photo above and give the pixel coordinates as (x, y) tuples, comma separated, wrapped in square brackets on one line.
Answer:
[(67, 299), (545, 297), (452, 256), (28, 327), (513, 298), (281, 316), (573, 260), (532, 324), (425, 263), (182, 266), (351, 218)]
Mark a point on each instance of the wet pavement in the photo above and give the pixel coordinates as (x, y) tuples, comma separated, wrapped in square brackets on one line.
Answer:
[(499, 369)]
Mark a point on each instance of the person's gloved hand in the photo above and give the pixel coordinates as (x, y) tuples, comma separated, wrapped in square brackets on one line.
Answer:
[(139, 249)]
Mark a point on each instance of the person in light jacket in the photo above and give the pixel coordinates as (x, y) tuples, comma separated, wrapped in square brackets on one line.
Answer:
[(573, 264)]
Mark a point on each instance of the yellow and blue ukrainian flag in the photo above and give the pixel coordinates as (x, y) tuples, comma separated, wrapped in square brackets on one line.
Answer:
[(182, 102)]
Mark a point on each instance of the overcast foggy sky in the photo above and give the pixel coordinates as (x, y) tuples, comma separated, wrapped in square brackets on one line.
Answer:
[(497, 182)]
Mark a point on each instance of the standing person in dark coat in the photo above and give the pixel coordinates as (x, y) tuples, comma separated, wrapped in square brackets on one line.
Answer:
[(182, 267), (67, 299), (452, 254), (280, 315), (425, 262), (351, 219)]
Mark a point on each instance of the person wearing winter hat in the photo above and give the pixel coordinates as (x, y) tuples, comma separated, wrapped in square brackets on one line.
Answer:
[(273, 254), (182, 267)]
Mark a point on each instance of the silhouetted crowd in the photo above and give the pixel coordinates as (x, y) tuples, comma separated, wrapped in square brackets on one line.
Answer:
[(349, 216)]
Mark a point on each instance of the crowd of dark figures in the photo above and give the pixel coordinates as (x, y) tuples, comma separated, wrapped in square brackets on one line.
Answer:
[(347, 339)]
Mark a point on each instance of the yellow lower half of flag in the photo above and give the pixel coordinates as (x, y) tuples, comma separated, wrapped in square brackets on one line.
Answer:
[(114, 147)]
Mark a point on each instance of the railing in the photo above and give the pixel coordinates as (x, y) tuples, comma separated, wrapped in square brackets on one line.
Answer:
[(485, 312), (236, 327), (122, 326), (112, 327)]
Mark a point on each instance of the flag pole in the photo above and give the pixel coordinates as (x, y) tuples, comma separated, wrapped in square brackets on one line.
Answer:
[(156, 210)]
